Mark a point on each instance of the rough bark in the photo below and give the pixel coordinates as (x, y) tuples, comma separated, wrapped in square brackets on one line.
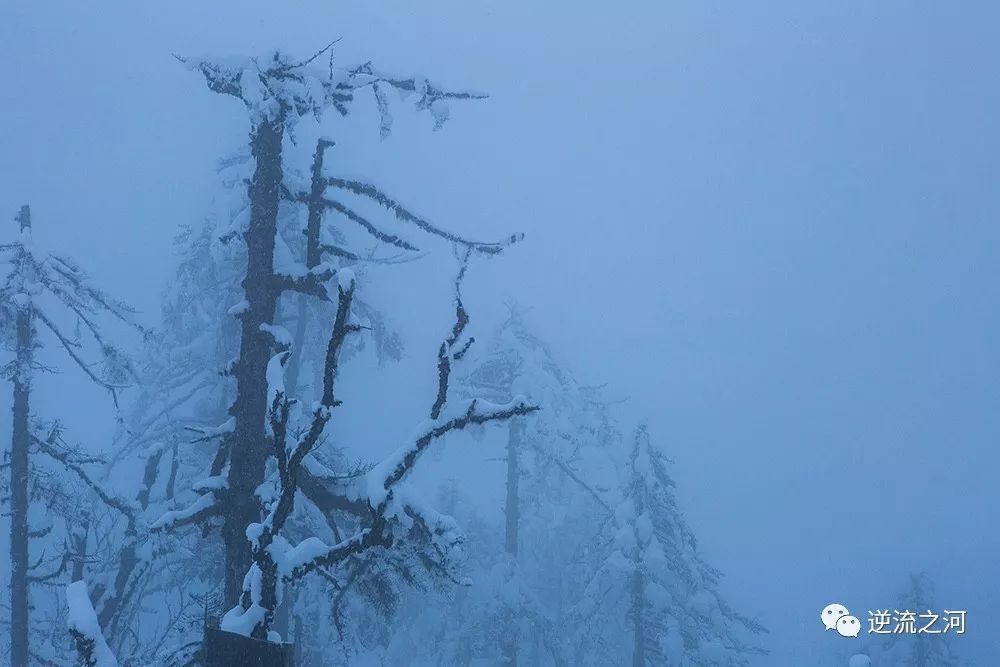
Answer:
[(20, 442), (250, 450)]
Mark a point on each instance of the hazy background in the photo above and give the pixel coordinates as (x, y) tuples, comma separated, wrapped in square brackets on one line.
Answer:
[(774, 228)]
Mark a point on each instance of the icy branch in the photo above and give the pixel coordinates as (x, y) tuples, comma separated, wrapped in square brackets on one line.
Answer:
[(371, 192), (368, 226)]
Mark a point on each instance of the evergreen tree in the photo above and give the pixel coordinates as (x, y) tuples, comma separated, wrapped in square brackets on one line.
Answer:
[(654, 598), (550, 462), (919, 649)]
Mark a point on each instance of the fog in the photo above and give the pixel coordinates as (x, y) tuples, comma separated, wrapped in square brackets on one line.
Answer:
[(769, 231)]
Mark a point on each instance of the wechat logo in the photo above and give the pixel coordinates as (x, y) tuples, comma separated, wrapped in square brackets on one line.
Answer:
[(837, 617)]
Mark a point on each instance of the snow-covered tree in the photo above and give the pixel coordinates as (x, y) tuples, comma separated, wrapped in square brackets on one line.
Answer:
[(522, 576), (544, 457), (935, 648), (267, 262), (654, 598), (277, 91), (395, 513), (39, 292)]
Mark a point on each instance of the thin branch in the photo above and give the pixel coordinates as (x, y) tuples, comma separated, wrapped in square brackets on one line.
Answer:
[(572, 474), (371, 192), (314, 56), (369, 227), (445, 351), (121, 505), (371, 259), (68, 346)]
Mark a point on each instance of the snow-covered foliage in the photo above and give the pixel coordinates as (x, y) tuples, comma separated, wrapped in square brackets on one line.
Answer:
[(527, 571), (247, 511), (666, 600), (394, 513), (278, 86), (86, 631), (40, 295), (52, 288)]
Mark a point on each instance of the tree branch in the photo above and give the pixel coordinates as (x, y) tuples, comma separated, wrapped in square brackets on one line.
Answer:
[(371, 192)]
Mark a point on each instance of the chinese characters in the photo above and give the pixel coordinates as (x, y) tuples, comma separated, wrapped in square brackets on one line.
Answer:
[(884, 622)]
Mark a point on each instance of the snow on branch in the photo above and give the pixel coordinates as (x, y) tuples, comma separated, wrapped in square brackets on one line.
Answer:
[(371, 192), (384, 237), (86, 295), (85, 629), (71, 349), (205, 506), (317, 202), (430, 97), (71, 460), (392, 508), (35, 273), (445, 354), (280, 88), (261, 593), (273, 88), (212, 433), (381, 489), (312, 283)]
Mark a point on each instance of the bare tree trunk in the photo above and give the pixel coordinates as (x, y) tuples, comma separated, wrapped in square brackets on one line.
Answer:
[(512, 512), (19, 482), (313, 254), (638, 622), (250, 450)]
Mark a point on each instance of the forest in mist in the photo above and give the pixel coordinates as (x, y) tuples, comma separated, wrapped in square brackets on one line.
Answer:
[(498, 334)]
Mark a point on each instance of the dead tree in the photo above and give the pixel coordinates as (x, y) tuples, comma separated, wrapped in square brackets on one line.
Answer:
[(33, 274), (277, 91), (393, 511)]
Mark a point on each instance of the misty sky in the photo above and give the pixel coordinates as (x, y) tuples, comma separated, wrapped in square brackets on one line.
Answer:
[(773, 228)]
